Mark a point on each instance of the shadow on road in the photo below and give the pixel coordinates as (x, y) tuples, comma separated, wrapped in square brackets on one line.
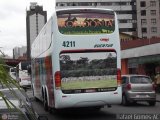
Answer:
[(75, 114), (83, 113)]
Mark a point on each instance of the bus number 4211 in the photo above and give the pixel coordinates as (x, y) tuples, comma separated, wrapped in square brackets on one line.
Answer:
[(68, 44)]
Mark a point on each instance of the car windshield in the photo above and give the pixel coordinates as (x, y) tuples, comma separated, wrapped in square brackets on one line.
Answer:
[(140, 79)]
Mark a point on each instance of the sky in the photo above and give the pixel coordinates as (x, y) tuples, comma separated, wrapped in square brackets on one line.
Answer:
[(13, 22)]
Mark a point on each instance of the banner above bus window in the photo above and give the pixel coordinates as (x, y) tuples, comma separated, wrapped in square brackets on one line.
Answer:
[(92, 22)]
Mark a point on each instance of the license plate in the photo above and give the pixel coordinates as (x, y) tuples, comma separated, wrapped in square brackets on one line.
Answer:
[(142, 96)]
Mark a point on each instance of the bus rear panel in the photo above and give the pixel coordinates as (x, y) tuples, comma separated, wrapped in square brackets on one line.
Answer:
[(88, 72)]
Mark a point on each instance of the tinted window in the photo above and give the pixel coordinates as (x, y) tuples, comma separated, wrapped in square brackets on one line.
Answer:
[(24, 65), (88, 70), (140, 79), (13, 70)]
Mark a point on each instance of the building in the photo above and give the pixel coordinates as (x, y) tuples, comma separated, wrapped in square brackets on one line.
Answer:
[(148, 22), (126, 10), (141, 56), (19, 52), (127, 37), (136, 17), (35, 20)]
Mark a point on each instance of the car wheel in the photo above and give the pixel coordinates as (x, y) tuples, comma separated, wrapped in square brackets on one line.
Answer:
[(152, 103), (124, 100), (36, 99)]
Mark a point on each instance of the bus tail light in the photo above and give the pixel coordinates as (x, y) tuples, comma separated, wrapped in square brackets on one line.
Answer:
[(119, 77), (57, 77)]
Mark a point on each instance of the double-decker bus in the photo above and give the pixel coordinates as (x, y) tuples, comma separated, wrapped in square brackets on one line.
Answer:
[(76, 59)]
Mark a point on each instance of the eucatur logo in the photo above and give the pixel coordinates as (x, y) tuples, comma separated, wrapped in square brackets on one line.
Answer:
[(104, 39)]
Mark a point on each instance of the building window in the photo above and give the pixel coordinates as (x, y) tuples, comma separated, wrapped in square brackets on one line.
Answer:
[(72, 4), (143, 12), (127, 29), (144, 30), (115, 3), (145, 37), (106, 3), (153, 21), (122, 21), (152, 3), (126, 12), (143, 4), (85, 4), (143, 21), (132, 3), (153, 12), (154, 36), (127, 3), (62, 4), (153, 29), (127, 21)]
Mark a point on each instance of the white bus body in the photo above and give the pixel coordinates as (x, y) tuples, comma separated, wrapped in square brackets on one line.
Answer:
[(76, 59), (12, 72)]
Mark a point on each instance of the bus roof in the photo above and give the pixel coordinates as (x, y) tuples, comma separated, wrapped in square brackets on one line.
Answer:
[(84, 9)]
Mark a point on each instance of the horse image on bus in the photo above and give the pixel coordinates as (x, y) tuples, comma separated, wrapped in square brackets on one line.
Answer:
[(76, 60)]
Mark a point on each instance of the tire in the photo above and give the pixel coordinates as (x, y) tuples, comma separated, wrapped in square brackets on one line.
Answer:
[(50, 110), (36, 99), (124, 100), (45, 104), (152, 103), (97, 108), (55, 111)]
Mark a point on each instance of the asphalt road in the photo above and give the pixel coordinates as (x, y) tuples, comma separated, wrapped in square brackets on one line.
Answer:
[(137, 111)]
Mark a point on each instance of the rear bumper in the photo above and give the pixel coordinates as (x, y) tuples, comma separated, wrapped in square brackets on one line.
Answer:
[(25, 84), (87, 99), (139, 96)]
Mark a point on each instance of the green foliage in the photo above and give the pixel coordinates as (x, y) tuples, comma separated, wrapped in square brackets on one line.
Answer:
[(7, 81)]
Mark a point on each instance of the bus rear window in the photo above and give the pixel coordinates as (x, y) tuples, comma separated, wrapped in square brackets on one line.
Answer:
[(83, 71), (86, 22)]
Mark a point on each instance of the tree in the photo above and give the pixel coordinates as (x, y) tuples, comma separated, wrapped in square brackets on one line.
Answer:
[(7, 81), (10, 83)]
